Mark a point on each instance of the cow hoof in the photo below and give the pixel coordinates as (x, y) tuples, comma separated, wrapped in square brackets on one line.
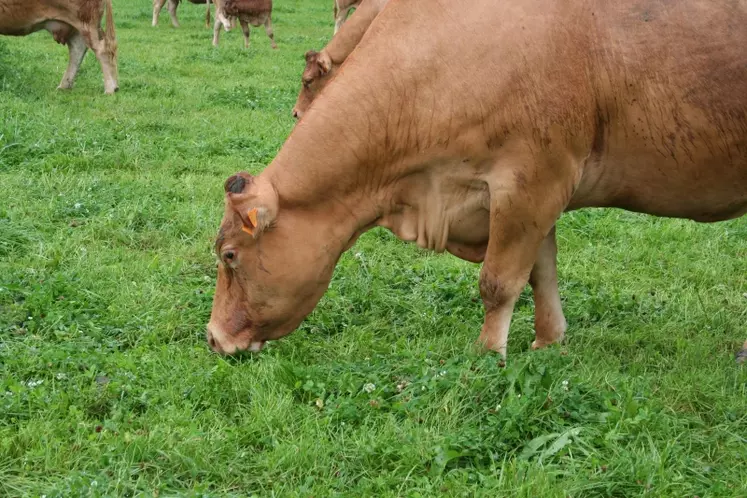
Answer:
[(538, 344), (63, 87), (742, 356)]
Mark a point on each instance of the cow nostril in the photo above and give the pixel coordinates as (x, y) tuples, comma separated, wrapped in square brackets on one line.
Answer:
[(295, 113), (211, 341)]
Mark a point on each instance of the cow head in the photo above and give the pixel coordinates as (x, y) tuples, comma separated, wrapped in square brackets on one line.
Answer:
[(273, 268), (316, 74)]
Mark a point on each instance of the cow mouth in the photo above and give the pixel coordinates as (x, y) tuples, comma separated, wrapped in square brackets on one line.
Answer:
[(256, 346)]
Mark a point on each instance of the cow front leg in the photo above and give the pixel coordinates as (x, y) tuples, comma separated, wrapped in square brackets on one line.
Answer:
[(77, 48), (157, 6), (173, 4), (246, 31), (340, 18), (216, 30), (527, 195), (270, 34), (549, 321)]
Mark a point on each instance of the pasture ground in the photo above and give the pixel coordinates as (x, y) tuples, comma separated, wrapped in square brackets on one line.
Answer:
[(108, 213)]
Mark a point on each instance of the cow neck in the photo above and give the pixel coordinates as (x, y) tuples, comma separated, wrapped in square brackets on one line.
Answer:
[(320, 170)]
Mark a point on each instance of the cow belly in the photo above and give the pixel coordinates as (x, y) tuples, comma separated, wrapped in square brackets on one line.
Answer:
[(255, 19)]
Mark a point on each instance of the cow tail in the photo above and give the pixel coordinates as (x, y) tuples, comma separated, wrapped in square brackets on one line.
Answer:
[(110, 35), (207, 14)]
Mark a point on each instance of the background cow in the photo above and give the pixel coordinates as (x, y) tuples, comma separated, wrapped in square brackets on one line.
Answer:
[(321, 66), (75, 23), (173, 4), (342, 7), (476, 146), (254, 12)]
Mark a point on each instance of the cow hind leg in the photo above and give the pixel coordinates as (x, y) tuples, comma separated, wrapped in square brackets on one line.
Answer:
[(549, 321), (173, 4), (157, 6), (246, 30), (270, 34), (106, 54), (77, 49)]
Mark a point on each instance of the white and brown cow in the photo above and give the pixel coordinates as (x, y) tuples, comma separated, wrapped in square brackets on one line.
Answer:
[(342, 8), (476, 144), (322, 66), (75, 23), (172, 6), (247, 12)]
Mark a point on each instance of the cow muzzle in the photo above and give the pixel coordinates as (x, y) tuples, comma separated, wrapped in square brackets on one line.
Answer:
[(222, 343)]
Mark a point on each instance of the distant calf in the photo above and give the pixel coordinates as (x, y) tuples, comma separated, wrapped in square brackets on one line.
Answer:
[(342, 8), (254, 12), (173, 4), (75, 23), (321, 66)]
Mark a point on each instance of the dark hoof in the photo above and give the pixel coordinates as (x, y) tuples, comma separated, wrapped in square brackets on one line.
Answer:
[(742, 356)]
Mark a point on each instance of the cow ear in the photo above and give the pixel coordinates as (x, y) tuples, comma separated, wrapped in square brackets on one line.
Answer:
[(310, 55), (255, 220), (254, 201), (238, 182), (324, 62)]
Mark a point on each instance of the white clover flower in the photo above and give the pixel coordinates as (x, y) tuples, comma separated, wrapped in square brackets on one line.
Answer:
[(61, 376), (369, 388)]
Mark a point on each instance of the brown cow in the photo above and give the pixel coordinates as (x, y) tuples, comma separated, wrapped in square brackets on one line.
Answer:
[(254, 12), (477, 144), (75, 23), (342, 8), (321, 66), (173, 4)]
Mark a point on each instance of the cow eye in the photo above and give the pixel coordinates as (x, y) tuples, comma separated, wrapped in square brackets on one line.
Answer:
[(307, 83), (229, 257)]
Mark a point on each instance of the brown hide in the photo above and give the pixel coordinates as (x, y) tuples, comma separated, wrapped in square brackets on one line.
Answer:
[(476, 144), (75, 23)]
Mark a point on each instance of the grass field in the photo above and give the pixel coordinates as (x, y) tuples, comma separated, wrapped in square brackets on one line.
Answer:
[(109, 209)]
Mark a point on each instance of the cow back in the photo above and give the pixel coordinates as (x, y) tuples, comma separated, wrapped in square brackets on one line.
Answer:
[(247, 7)]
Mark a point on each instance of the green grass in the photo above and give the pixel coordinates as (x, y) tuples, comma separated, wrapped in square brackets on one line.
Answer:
[(107, 388)]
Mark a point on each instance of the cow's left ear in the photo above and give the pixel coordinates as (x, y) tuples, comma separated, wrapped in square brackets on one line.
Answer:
[(256, 220), (254, 200), (324, 61)]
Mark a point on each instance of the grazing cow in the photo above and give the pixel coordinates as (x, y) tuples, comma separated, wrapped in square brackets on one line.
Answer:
[(173, 4), (254, 12), (75, 23), (321, 66), (342, 8), (477, 144)]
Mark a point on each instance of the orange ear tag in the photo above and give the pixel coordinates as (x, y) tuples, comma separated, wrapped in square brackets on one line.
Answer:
[(252, 215)]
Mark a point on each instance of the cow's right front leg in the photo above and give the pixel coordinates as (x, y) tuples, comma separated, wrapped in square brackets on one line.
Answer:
[(340, 18), (157, 6), (216, 29), (525, 203)]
